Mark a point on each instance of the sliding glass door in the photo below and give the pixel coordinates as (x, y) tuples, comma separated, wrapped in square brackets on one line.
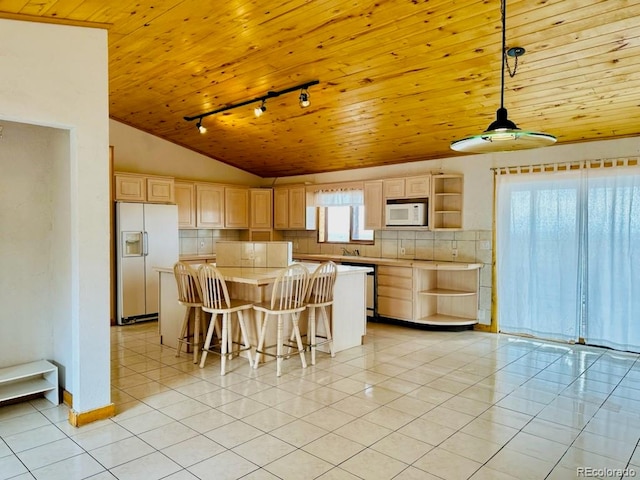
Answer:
[(568, 255)]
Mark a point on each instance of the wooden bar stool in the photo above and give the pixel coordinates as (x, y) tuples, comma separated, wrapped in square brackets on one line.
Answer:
[(287, 301), (320, 297), (189, 295), (215, 300)]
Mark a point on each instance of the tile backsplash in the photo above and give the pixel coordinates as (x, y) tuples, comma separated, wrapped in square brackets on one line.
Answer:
[(203, 241)]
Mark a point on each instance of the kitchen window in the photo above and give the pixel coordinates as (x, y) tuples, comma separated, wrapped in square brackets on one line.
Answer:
[(341, 217)]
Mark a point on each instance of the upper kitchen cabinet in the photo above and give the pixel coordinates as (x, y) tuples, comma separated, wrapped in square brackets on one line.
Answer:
[(290, 208), (261, 208), (132, 187), (446, 202), (185, 194), (209, 205), (409, 187), (373, 205), (236, 207)]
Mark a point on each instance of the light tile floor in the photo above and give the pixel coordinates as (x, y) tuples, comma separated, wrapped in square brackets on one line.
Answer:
[(409, 404)]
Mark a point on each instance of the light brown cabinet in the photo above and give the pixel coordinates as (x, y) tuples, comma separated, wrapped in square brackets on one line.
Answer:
[(395, 292), (160, 190), (236, 207), (260, 208), (185, 195), (209, 205), (373, 205), (446, 202), (133, 187), (290, 208), (408, 187)]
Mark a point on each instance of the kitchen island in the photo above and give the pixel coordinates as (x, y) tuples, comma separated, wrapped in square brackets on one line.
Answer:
[(348, 315)]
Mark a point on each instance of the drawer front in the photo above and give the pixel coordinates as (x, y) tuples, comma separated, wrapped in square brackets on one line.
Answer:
[(395, 271), (393, 308), (398, 282), (394, 292)]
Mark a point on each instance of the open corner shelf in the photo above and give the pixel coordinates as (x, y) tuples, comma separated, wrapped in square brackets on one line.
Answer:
[(30, 378), (447, 294)]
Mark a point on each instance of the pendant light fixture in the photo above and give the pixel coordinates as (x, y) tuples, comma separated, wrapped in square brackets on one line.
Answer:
[(503, 134)]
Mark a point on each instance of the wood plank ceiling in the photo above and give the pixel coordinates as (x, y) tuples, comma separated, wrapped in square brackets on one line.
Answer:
[(399, 79)]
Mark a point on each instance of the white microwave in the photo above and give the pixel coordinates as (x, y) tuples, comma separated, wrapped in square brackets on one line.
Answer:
[(406, 214)]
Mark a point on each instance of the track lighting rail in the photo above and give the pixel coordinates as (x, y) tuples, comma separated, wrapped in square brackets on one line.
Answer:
[(262, 99)]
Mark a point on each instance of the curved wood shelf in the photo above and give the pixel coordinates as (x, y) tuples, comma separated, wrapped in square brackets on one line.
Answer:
[(447, 292), (447, 320)]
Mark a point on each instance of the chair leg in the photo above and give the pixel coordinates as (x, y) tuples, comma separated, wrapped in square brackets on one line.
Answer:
[(311, 332), (260, 347), (327, 328), (224, 345), (196, 334), (183, 330), (296, 329), (207, 342), (245, 337), (280, 329)]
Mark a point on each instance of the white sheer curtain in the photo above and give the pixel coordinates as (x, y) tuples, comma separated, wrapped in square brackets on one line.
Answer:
[(612, 304), (339, 198), (568, 255), (537, 254)]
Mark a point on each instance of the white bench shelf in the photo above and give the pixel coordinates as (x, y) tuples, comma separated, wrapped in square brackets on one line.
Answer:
[(31, 378)]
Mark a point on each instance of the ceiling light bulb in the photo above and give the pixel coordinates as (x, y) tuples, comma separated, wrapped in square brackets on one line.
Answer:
[(304, 98), (201, 128), (260, 110)]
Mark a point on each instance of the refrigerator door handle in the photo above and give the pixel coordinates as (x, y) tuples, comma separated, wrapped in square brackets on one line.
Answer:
[(145, 244)]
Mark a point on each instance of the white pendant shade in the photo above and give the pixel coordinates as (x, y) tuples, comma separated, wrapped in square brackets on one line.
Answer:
[(502, 141)]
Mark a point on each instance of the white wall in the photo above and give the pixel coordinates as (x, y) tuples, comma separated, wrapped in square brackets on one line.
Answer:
[(478, 184), (139, 152), (56, 76)]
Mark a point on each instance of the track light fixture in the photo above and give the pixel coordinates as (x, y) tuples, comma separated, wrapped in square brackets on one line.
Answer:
[(304, 102), (503, 134), (304, 98), (258, 111)]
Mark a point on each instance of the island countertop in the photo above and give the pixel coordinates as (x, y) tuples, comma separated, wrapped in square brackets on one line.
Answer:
[(263, 276)]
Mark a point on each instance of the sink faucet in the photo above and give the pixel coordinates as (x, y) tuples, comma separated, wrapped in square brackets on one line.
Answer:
[(350, 253)]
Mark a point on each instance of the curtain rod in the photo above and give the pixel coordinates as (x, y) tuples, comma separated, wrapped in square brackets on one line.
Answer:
[(567, 166)]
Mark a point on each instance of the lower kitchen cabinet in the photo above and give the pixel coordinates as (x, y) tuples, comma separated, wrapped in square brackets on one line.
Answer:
[(395, 292), (447, 293)]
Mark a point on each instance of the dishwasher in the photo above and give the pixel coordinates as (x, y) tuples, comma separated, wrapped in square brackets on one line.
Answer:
[(371, 287)]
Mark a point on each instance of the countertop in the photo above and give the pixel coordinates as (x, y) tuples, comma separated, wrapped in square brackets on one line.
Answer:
[(319, 257)]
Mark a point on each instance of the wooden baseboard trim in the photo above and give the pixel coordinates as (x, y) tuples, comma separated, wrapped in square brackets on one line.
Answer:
[(77, 419), (67, 398), (482, 328)]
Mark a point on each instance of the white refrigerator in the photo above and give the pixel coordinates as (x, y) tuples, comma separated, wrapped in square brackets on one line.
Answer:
[(147, 238)]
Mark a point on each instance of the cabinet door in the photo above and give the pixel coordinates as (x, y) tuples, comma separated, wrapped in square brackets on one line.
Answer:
[(281, 208), (260, 208), (297, 208), (394, 188), (236, 207), (417, 186), (130, 188), (373, 203), (160, 190), (185, 194), (209, 206)]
